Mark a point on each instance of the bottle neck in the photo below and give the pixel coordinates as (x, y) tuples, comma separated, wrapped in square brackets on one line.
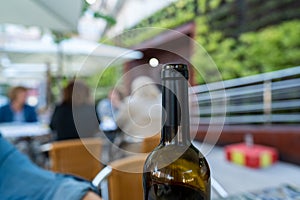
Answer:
[(175, 116)]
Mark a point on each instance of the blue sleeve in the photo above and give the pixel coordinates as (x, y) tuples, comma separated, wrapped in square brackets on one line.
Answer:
[(30, 114), (21, 179), (1, 115), (34, 117), (6, 114)]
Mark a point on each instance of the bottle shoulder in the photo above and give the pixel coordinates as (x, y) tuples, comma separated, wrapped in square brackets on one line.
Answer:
[(177, 159), (173, 152)]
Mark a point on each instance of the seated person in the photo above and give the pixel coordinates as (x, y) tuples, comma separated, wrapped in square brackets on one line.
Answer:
[(107, 110), (17, 110), (21, 179), (76, 116), (140, 115)]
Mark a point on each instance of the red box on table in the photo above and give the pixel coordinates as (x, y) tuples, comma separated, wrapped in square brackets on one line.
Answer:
[(254, 156)]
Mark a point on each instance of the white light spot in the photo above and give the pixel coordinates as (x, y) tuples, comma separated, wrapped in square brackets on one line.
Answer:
[(153, 62), (32, 100)]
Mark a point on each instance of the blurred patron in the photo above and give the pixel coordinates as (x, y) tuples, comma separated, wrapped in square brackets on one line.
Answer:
[(76, 116), (107, 110), (17, 110), (22, 179), (140, 114)]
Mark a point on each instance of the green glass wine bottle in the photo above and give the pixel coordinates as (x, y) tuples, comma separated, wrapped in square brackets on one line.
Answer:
[(176, 169)]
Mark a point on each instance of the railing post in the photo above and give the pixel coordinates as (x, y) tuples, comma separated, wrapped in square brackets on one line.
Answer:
[(267, 98)]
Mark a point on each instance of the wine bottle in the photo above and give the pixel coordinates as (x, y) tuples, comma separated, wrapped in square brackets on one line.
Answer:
[(175, 169)]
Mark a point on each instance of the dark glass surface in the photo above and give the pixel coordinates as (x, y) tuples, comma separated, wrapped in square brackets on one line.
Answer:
[(163, 191), (176, 169)]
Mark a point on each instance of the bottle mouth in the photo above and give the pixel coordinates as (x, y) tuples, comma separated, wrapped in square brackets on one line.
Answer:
[(175, 71)]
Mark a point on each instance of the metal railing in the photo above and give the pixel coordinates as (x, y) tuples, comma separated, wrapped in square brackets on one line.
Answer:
[(272, 97)]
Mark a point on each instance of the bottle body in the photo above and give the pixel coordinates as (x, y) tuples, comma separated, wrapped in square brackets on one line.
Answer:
[(176, 172), (176, 169)]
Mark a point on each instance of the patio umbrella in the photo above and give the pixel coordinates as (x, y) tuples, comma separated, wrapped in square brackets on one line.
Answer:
[(37, 61), (67, 58), (59, 15)]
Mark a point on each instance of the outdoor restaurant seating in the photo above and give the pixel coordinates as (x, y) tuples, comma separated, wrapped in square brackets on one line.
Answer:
[(78, 157), (122, 179), (150, 143)]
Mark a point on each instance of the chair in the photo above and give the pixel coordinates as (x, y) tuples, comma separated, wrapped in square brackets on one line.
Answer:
[(78, 157), (124, 178), (150, 143)]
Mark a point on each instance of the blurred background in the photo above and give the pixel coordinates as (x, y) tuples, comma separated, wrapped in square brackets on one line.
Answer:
[(249, 84), (242, 37)]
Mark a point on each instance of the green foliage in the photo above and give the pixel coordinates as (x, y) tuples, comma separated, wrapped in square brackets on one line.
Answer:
[(60, 36), (252, 50), (213, 4), (202, 6), (139, 35), (104, 80), (273, 48), (174, 15), (109, 19), (268, 49)]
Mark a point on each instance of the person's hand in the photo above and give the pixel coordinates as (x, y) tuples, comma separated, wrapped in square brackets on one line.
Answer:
[(91, 196)]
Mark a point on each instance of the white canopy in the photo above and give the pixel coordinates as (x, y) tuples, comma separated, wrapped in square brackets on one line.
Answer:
[(68, 58), (59, 15)]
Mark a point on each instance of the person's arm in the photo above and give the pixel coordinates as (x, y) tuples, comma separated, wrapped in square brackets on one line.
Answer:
[(6, 114), (20, 178), (91, 196), (1, 115), (34, 115)]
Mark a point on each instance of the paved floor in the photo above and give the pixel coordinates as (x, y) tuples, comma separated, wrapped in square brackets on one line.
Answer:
[(237, 179)]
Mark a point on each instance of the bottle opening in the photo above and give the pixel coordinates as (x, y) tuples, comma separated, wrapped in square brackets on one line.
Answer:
[(175, 71)]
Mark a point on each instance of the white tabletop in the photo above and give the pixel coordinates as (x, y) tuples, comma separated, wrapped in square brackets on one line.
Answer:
[(11, 130)]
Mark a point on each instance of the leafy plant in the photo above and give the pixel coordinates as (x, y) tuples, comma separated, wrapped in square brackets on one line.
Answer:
[(252, 48), (268, 49), (104, 80)]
